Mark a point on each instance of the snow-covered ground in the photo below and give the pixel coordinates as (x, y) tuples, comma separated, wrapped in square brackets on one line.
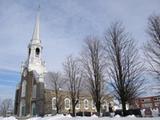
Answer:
[(61, 117)]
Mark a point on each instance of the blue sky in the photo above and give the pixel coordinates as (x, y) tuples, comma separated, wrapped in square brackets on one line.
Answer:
[(64, 25)]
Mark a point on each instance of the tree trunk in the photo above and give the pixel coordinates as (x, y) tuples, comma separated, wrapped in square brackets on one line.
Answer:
[(123, 108), (73, 110), (98, 107), (57, 101), (57, 110)]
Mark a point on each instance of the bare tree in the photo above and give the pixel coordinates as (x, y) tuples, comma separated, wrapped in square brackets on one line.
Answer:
[(57, 83), (5, 106), (73, 75), (92, 58), (125, 69), (152, 47)]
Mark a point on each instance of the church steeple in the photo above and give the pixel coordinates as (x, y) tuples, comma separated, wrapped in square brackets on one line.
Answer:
[(36, 32), (34, 61)]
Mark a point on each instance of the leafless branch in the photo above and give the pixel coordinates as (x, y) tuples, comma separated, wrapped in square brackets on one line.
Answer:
[(93, 62), (57, 83), (73, 77), (152, 47), (125, 69)]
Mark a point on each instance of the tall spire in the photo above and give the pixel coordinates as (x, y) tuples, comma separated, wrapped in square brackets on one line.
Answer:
[(34, 61), (36, 32)]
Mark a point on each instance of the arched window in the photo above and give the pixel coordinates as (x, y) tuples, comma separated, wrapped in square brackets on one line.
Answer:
[(54, 103), (22, 108), (105, 106), (93, 105), (33, 109), (37, 51), (78, 105), (67, 103), (23, 92), (85, 104), (34, 91)]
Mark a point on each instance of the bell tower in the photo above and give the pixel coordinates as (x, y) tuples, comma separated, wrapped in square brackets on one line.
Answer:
[(30, 91), (34, 61)]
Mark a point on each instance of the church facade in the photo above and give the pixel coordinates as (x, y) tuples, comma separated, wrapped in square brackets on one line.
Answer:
[(33, 94)]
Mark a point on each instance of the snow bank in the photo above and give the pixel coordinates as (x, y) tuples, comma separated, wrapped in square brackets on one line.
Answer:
[(34, 118), (8, 118), (68, 116), (155, 112), (94, 117), (142, 112), (131, 116), (56, 117), (117, 116)]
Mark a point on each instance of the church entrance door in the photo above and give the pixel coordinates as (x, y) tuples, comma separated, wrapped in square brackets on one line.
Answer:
[(33, 109), (23, 110)]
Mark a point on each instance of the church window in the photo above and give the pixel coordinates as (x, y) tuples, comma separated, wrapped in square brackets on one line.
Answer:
[(23, 92), (93, 105), (105, 106), (34, 91), (33, 109), (54, 103), (85, 104), (22, 108), (78, 105), (67, 103), (37, 51)]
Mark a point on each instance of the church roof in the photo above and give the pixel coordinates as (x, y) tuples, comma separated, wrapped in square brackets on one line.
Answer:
[(47, 79)]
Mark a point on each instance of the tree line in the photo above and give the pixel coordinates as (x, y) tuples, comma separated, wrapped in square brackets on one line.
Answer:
[(113, 61), (6, 107)]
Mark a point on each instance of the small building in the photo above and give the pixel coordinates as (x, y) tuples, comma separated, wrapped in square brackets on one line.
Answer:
[(148, 102)]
